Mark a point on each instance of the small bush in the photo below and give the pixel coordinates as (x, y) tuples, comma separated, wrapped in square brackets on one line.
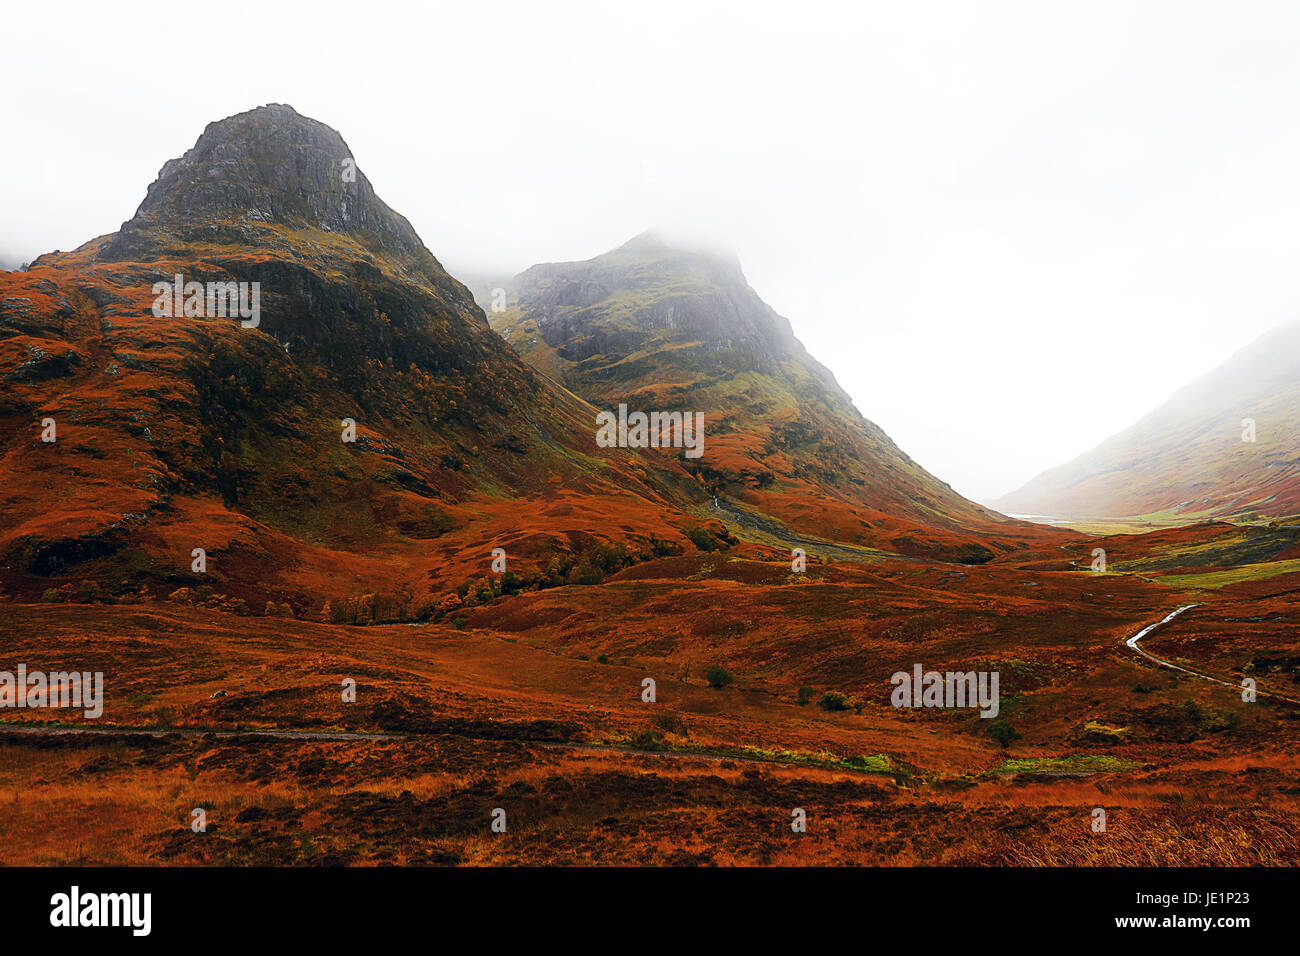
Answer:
[(804, 694), (701, 538), (662, 549), (719, 677), (1000, 730), (833, 700), (1209, 720), (648, 740), (610, 556), (585, 572), (670, 722)]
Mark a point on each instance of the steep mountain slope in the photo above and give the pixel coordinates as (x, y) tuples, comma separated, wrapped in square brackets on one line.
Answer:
[(662, 328), (180, 431), (1190, 456)]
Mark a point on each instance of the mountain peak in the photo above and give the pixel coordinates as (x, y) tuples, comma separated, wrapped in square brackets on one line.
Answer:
[(655, 325), (648, 241), (651, 289), (267, 166), (656, 244)]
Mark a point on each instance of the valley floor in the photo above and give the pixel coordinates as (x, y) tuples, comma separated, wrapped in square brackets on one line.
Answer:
[(533, 705)]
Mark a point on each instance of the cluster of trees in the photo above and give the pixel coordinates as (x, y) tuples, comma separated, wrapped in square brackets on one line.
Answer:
[(566, 567)]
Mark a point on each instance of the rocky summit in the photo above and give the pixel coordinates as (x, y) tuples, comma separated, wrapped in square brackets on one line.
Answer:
[(264, 168)]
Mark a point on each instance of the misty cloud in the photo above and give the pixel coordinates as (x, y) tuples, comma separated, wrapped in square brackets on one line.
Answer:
[(1009, 229)]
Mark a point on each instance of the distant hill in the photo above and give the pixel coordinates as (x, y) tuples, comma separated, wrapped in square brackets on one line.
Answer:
[(1188, 457)]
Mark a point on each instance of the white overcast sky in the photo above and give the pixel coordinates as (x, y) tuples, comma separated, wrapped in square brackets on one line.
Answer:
[(1010, 229)]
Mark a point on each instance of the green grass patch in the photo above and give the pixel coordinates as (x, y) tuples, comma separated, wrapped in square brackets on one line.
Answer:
[(1213, 580), (1076, 763), (864, 763)]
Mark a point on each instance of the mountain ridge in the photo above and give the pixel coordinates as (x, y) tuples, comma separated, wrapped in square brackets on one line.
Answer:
[(1188, 456), (658, 326)]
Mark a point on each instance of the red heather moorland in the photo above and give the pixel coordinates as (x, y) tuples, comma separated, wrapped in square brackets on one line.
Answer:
[(349, 680)]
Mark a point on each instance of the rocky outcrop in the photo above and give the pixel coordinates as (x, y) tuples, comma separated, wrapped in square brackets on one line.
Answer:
[(268, 166)]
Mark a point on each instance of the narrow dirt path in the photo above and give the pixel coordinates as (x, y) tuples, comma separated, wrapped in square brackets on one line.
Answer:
[(1132, 644)]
